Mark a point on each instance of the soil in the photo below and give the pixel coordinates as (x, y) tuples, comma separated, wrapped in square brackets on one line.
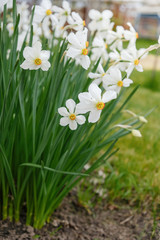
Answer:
[(71, 221)]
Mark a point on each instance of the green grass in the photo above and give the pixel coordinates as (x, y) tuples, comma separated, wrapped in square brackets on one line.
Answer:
[(148, 79), (145, 43), (133, 173)]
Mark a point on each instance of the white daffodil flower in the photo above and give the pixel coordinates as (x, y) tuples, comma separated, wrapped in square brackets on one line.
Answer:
[(159, 39), (45, 10), (48, 27), (131, 35), (76, 22), (26, 37), (99, 76), (10, 28), (70, 115), (133, 57), (8, 2), (59, 31), (116, 57), (115, 38), (99, 49), (99, 20), (105, 32), (94, 102), (64, 12), (114, 81), (78, 48), (23, 10), (3, 2), (36, 58), (23, 7)]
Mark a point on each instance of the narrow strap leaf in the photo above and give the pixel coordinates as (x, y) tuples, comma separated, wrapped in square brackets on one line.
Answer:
[(53, 170)]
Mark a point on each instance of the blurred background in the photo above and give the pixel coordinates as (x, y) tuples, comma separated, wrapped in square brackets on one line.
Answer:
[(143, 14)]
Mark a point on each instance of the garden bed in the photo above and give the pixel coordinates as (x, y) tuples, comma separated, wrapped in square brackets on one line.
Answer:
[(73, 222)]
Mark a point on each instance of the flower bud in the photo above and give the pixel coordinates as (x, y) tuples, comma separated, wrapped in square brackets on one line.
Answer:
[(136, 133)]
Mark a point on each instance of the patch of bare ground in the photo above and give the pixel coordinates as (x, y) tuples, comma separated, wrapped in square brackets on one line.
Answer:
[(71, 221)]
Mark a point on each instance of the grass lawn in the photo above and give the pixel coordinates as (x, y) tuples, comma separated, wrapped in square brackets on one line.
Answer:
[(133, 173), (145, 43), (148, 79)]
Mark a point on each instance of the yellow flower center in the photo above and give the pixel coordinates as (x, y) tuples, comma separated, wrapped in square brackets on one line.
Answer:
[(106, 45), (100, 19), (103, 74), (48, 12), (136, 62), (38, 61), (87, 44), (72, 116), (84, 23), (100, 105), (137, 35), (120, 83), (84, 51)]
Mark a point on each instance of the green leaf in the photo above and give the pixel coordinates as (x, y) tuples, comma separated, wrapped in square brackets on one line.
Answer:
[(53, 170)]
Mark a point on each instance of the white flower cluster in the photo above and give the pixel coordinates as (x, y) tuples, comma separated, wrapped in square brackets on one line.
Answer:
[(91, 102), (106, 44)]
